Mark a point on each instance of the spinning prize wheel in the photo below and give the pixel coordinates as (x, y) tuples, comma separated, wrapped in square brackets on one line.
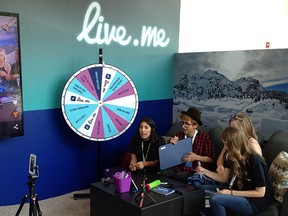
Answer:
[(99, 102)]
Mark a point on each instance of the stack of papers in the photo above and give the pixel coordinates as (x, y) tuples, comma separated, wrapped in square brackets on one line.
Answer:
[(163, 190)]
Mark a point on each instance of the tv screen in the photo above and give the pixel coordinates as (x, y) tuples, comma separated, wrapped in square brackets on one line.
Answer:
[(11, 102)]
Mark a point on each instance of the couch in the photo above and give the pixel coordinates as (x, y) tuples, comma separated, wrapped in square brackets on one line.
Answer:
[(278, 166)]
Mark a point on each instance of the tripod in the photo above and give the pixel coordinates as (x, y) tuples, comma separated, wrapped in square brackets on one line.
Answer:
[(34, 208), (143, 192)]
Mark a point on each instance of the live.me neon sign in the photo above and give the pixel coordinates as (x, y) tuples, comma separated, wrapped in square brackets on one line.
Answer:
[(106, 34)]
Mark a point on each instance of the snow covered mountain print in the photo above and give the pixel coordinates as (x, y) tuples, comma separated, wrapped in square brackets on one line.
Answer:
[(219, 85), (212, 84)]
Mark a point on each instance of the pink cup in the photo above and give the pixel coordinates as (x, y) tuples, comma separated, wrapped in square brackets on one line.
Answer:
[(122, 185)]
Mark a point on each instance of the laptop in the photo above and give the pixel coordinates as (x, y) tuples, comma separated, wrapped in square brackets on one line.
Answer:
[(171, 155)]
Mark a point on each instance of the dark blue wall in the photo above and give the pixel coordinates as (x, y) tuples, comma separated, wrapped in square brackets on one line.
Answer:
[(66, 161)]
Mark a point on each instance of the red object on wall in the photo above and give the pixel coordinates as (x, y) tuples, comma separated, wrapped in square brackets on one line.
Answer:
[(268, 44)]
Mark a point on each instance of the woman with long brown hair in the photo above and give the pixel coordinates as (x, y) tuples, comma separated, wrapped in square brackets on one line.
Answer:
[(250, 189)]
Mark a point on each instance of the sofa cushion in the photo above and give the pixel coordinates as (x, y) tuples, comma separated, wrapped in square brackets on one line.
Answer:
[(278, 172), (284, 207), (175, 128), (276, 143), (125, 160), (215, 136), (271, 209), (260, 138)]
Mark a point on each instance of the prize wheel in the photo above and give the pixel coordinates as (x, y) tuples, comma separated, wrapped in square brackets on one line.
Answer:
[(99, 102)]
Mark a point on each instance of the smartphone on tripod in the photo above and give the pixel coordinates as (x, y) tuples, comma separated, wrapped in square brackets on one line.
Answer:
[(34, 208)]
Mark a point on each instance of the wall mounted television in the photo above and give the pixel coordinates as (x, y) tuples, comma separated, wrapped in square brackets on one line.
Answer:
[(11, 101)]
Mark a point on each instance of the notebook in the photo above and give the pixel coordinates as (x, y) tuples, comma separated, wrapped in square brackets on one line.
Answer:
[(163, 190), (171, 155)]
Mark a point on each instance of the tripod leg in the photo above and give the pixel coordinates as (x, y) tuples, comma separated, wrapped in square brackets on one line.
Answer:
[(139, 194), (38, 206), (32, 208), (22, 204), (150, 197), (141, 199), (31, 212), (34, 211)]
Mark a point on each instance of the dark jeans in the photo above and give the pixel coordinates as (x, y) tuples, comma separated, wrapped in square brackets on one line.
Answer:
[(219, 203)]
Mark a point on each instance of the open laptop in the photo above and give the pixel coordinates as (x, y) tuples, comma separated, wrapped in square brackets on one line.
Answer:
[(171, 155)]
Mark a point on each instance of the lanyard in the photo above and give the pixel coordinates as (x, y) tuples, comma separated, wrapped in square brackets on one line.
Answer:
[(193, 138), (142, 147), (232, 181)]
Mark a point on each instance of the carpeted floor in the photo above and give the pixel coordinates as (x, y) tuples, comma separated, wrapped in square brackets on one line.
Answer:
[(64, 205)]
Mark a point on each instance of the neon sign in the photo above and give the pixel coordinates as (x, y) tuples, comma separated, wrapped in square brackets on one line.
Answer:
[(106, 34)]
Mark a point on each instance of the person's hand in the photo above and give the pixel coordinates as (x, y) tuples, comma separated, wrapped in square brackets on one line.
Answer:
[(190, 157), (2, 73), (132, 167), (200, 170), (224, 191), (174, 140), (220, 169), (139, 165)]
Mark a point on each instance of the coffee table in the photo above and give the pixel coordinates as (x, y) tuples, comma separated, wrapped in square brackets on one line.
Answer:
[(106, 202)]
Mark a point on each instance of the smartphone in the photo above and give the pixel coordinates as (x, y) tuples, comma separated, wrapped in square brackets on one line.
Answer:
[(32, 164)]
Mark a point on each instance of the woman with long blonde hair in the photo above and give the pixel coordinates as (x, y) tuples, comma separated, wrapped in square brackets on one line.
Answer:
[(244, 123), (5, 73)]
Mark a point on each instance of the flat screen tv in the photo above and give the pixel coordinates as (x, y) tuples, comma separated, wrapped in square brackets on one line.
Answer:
[(11, 101)]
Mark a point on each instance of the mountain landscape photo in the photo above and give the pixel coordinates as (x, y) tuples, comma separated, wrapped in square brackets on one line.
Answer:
[(218, 93)]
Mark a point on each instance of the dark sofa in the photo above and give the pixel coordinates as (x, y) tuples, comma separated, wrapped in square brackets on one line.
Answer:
[(271, 148)]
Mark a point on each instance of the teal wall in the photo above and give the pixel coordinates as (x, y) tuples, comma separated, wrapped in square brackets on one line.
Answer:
[(50, 54)]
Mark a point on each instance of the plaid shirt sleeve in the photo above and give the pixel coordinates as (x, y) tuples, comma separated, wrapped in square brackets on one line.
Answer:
[(203, 146)]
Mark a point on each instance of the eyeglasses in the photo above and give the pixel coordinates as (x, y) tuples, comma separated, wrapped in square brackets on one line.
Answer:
[(235, 117), (185, 123)]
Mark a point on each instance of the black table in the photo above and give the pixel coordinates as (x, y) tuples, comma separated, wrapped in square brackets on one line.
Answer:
[(106, 202)]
